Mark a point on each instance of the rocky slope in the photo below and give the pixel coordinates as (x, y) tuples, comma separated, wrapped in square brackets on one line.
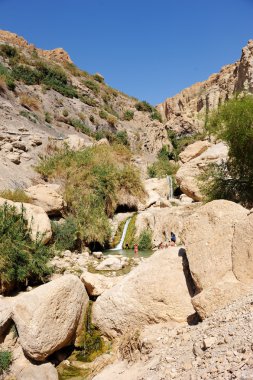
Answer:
[(185, 112), (35, 113)]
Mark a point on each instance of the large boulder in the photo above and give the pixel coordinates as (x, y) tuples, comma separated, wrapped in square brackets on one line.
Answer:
[(194, 150), (37, 219), (111, 263), (96, 284), (242, 250), (208, 236), (5, 314), (156, 190), (156, 291), (188, 174), (161, 221), (47, 196), (48, 317), (75, 142)]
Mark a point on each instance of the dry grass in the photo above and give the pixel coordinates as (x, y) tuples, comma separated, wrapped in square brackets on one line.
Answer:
[(3, 87), (17, 195), (29, 102)]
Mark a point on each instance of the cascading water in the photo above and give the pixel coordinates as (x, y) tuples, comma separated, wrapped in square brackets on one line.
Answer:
[(170, 182), (120, 245)]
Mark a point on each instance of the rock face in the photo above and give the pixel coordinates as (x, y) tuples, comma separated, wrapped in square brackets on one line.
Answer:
[(188, 174), (194, 150), (185, 112), (242, 250), (208, 236), (46, 196), (96, 284), (37, 219), (47, 317), (155, 291)]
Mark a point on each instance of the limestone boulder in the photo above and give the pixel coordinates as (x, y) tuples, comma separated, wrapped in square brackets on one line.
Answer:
[(162, 221), (5, 314), (48, 317), (194, 150), (188, 174), (47, 196), (156, 189), (75, 142), (96, 284), (208, 236), (242, 249), (218, 296), (37, 219), (156, 291), (110, 263)]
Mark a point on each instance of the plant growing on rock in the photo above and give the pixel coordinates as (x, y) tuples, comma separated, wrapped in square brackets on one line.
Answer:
[(5, 361), (17, 195), (233, 180), (21, 258), (145, 240), (96, 180)]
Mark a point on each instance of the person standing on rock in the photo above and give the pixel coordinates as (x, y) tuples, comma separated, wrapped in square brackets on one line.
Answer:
[(172, 239)]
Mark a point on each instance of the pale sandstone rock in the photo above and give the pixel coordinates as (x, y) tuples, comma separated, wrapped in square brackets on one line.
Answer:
[(5, 314), (14, 157), (218, 296), (23, 369), (36, 217), (188, 174), (103, 141), (96, 284), (156, 189), (76, 142), (153, 292), (162, 221), (111, 263), (194, 150), (242, 250), (47, 196), (97, 255), (48, 317), (208, 235)]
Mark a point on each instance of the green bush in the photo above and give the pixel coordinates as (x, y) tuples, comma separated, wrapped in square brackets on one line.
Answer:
[(21, 258), (8, 51), (48, 117), (88, 100), (5, 361), (26, 74), (65, 234), (93, 86), (144, 106), (233, 123), (7, 75), (122, 138), (99, 78), (162, 167), (95, 180), (155, 115), (128, 115), (145, 240)]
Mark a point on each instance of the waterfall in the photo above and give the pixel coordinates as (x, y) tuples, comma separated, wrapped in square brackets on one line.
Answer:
[(120, 245), (170, 182)]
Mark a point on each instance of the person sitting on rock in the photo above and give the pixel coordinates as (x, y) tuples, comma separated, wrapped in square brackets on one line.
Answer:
[(172, 239)]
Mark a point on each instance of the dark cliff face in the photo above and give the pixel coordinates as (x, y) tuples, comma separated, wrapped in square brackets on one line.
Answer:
[(185, 112)]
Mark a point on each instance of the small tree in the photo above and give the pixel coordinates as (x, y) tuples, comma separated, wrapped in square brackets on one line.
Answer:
[(233, 123)]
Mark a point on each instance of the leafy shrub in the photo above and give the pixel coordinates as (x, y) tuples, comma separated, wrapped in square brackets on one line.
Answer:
[(155, 115), (128, 115), (21, 258), (8, 51), (26, 74), (145, 240), (29, 102), (65, 234), (88, 100), (6, 75), (111, 119), (72, 69), (122, 138), (162, 167), (144, 106), (5, 361), (48, 117), (30, 116), (99, 78), (65, 113), (17, 195), (233, 180), (94, 180), (93, 86)]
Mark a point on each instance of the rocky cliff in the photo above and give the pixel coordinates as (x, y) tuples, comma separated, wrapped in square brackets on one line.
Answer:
[(186, 112)]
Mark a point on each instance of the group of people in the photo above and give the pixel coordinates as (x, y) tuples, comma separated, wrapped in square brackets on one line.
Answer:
[(171, 243)]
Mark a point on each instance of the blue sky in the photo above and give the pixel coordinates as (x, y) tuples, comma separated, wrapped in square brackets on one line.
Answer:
[(148, 49)]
